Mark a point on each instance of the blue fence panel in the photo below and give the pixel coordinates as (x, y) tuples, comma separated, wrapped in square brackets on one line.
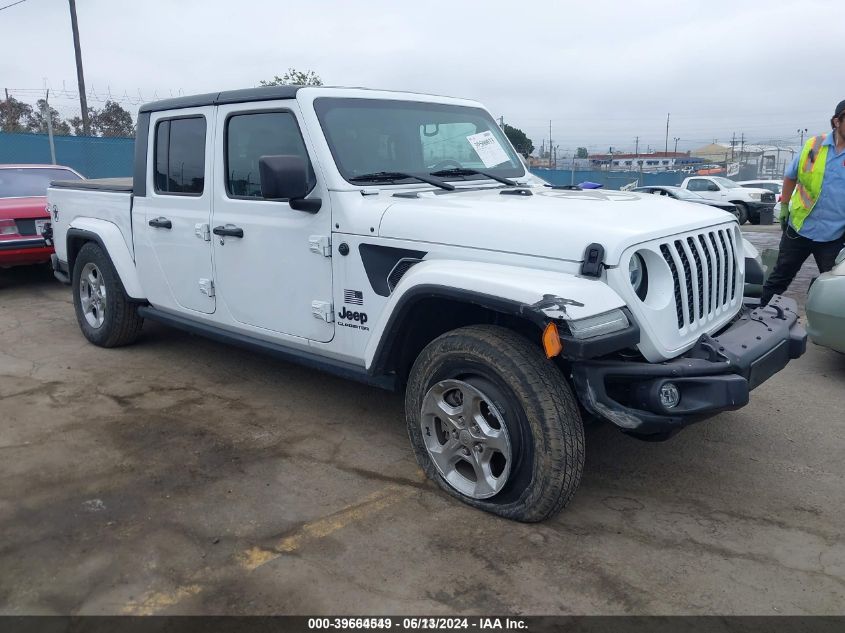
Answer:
[(611, 180), (91, 156)]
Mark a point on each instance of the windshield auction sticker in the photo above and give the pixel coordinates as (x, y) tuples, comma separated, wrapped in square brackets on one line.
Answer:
[(488, 148)]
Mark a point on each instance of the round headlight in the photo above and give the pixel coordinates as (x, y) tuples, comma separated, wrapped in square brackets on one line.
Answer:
[(637, 272)]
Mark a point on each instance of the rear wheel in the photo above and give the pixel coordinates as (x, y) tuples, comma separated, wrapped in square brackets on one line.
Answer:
[(495, 423), (105, 313)]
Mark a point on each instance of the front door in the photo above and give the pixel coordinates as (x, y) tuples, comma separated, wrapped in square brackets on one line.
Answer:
[(267, 273), (171, 248)]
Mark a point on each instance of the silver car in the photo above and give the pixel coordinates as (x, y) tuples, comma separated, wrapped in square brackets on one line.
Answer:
[(826, 307)]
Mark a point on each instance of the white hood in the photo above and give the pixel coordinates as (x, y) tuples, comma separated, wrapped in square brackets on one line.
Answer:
[(558, 224)]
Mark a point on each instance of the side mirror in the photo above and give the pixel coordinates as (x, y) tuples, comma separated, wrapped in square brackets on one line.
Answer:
[(712, 187), (285, 177)]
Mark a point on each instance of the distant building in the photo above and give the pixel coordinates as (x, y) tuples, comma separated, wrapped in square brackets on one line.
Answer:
[(654, 161), (714, 153), (770, 160)]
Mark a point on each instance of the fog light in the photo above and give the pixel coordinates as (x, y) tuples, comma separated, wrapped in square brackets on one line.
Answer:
[(670, 395)]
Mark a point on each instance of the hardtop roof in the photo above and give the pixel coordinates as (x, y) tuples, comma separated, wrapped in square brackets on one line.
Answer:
[(245, 95), (227, 96)]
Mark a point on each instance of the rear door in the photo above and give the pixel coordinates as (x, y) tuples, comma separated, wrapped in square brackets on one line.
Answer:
[(278, 264), (170, 224)]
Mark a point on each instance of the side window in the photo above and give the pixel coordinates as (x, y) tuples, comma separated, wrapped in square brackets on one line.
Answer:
[(180, 156), (696, 184), (253, 135)]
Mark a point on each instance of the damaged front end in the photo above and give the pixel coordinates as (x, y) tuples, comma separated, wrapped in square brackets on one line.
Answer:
[(655, 400)]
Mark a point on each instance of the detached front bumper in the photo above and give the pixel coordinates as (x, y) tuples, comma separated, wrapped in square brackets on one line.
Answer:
[(716, 375)]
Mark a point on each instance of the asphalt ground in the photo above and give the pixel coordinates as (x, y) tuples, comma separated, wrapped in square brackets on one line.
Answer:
[(182, 476)]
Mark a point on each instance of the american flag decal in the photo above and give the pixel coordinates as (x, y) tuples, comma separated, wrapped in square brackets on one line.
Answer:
[(355, 297)]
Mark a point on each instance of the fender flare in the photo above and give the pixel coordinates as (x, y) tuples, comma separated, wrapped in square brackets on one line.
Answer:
[(110, 239), (539, 296)]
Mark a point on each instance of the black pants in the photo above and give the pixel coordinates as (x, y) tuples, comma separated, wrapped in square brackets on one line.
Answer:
[(794, 251)]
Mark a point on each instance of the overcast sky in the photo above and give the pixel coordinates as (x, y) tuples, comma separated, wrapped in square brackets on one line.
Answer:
[(603, 72)]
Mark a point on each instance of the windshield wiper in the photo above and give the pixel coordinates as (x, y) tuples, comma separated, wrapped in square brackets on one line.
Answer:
[(466, 171), (377, 176)]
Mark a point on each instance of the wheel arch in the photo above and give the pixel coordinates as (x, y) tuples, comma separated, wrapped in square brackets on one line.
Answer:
[(440, 295), (108, 236), (427, 311)]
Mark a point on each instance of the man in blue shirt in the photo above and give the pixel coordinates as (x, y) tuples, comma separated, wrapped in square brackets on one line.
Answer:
[(822, 233)]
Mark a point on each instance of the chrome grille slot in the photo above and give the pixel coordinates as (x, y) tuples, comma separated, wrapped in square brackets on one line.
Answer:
[(726, 267), (689, 311), (735, 263), (699, 277), (664, 250)]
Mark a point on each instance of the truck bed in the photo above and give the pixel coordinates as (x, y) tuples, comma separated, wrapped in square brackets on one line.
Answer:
[(122, 185), (98, 206)]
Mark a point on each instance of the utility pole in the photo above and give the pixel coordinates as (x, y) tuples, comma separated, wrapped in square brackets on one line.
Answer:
[(677, 138), (733, 143), (46, 113), (666, 151), (502, 122), (802, 133), (550, 143), (80, 77), (742, 148)]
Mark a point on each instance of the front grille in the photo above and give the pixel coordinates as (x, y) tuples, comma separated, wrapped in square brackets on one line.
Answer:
[(704, 274), (768, 197)]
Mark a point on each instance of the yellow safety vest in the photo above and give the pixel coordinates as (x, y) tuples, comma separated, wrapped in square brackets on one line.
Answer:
[(811, 166)]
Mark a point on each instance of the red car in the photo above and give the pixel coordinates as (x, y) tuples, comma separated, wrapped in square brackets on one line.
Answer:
[(23, 212)]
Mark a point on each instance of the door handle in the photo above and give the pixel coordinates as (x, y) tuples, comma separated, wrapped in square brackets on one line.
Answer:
[(161, 223), (228, 231)]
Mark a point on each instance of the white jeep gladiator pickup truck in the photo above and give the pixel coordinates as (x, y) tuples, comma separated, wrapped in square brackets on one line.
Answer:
[(397, 239)]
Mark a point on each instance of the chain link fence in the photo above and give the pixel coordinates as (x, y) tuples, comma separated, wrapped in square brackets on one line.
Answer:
[(35, 130)]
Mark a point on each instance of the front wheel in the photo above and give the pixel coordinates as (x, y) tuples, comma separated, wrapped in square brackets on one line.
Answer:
[(495, 423), (105, 313), (741, 213)]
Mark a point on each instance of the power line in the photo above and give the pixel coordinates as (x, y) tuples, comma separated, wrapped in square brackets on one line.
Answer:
[(9, 6)]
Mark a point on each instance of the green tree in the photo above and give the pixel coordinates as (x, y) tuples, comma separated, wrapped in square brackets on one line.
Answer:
[(518, 139), (111, 121), (76, 123), (37, 122), (294, 77), (581, 152), (114, 120), (14, 115)]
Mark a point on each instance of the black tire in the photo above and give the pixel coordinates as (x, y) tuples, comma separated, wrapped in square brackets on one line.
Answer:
[(539, 409), (742, 213), (121, 322)]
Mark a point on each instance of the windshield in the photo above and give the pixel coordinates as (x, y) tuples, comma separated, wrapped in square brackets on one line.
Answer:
[(25, 182), (726, 183), (683, 194), (373, 136)]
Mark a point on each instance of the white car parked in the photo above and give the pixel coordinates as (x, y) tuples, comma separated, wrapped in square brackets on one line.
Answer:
[(775, 186), (394, 238), (750, 202)]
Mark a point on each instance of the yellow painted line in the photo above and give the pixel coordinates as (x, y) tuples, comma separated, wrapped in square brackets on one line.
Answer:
[(379, 500), (154, 602)]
